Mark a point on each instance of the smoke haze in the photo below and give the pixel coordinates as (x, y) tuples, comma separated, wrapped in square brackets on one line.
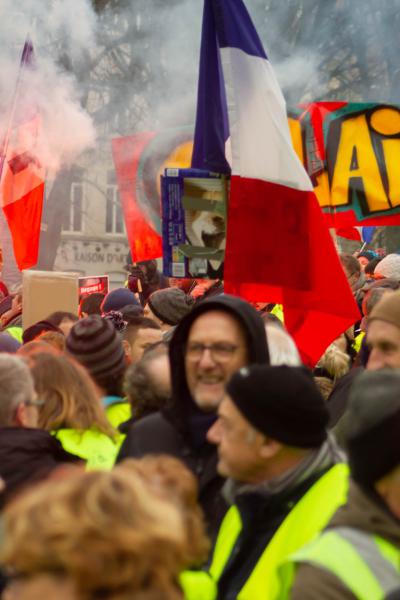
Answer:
[(137, 69), (48, 89), (113, 73)]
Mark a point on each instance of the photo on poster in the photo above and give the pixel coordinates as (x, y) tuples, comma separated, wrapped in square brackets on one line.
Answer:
[(194, 223)]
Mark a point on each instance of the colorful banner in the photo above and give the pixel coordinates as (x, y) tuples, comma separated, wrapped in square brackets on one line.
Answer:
[(351, 152)]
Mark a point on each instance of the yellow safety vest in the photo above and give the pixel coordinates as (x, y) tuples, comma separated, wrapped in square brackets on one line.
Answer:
[(118, 413), (197, 585), (358, 341), (96, 448), (278, 312), (307, 518), (368, 565), (16, 333)]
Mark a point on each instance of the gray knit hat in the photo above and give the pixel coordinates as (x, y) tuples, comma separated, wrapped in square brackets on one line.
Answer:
[(95, 343), (387, 309), (389, 267), (373, 425), (170, 305)]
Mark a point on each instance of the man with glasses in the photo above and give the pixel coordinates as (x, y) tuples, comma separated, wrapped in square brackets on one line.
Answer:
[(26, 452), (218, 337)]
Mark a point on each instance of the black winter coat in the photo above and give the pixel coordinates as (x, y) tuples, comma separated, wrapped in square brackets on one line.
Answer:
[(180, 430), (28, 455)]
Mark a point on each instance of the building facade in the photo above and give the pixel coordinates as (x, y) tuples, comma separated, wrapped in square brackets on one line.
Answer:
[(93, 239)]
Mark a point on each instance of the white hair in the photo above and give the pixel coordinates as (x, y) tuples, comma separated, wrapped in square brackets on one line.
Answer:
[(282, 348), (16, 386)]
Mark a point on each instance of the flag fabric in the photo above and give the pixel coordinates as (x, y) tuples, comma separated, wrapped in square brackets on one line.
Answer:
[(368, 234), (22, 176), (278, 247), (349, 233), (144, 241)]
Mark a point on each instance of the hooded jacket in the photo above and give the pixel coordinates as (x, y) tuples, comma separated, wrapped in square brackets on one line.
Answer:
[(180, 430), (28, 455), (364, 511)]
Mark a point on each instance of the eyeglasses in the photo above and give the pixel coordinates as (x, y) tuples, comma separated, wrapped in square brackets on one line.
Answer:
[(220, 352), (34, 402)]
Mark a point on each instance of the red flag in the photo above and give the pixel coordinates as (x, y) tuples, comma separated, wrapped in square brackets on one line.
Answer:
[(349, 233), (278, 246), (144, 241), (22, 177)]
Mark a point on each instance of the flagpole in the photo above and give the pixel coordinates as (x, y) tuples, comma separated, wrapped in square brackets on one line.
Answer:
[(6, 139)]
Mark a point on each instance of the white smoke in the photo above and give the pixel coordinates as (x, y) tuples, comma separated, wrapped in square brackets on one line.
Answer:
[(56, 28)]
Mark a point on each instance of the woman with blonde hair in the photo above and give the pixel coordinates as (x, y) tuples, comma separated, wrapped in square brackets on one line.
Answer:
[(72, 410), (93, 535), (169, 478)]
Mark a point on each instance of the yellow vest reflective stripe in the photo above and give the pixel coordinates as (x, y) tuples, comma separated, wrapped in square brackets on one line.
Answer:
[(99, 450), (367, 565), (197, 585), (308, 517)]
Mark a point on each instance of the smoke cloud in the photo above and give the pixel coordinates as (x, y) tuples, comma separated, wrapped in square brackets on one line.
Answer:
[(48, 89), (118, 72), (136, 68)]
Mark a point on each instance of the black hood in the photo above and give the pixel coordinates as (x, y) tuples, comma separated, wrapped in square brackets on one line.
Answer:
[(253, 326)]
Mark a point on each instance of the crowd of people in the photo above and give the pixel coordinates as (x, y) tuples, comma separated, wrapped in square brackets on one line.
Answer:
[(166, 442)]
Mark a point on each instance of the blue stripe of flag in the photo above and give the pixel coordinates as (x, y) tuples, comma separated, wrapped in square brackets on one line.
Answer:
[(212, 128), (235, 27)]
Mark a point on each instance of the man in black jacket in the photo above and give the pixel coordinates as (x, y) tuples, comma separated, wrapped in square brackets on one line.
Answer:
[(217, 338), (27, 453)]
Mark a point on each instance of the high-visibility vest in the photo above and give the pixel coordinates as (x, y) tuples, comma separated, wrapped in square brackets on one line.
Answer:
[(118, 413), (96, 448), (368, 565), (197, 585), (358, 341), (306, 519), (118, 410), (16, 333), (278, 312)]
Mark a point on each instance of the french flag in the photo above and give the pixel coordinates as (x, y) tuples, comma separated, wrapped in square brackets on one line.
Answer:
[(278, 248)]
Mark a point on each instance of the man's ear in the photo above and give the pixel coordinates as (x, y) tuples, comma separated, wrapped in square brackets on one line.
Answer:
[(270, 448), (20, 417), (127, 349)]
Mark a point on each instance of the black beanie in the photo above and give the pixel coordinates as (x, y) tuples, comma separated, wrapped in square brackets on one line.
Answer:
[(95, 343), (170, 305), (36, 329), (282, 402)]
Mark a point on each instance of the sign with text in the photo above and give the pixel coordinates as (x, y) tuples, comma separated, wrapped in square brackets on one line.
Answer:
[(92, 285), (352, 154)]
